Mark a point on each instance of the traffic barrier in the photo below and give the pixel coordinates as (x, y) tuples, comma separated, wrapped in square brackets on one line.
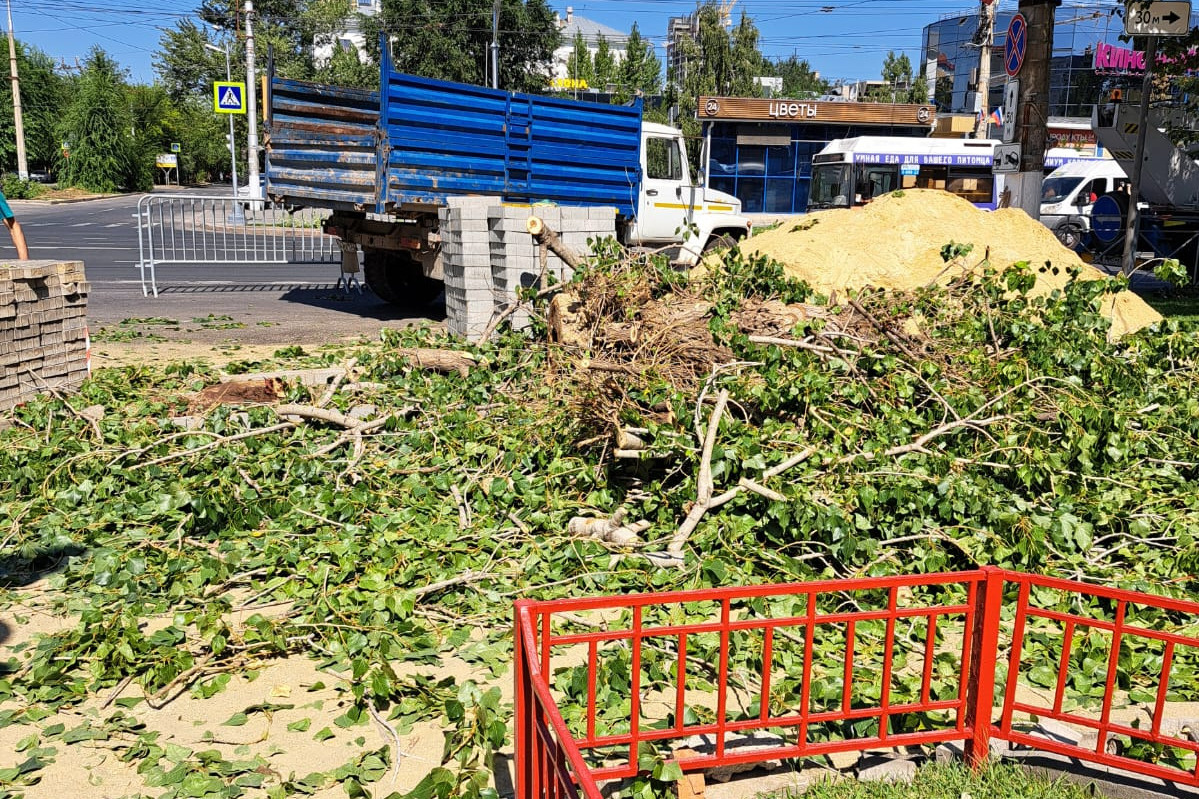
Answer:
[(605, 687), (198, 229)]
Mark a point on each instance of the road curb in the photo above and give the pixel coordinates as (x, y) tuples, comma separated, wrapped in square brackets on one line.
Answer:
[(66, 200)]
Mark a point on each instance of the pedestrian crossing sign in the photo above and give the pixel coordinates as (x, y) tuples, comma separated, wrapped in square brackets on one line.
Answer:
[(228, 97)]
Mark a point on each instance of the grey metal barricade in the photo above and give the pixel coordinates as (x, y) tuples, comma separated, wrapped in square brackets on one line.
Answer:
[(191, 229)]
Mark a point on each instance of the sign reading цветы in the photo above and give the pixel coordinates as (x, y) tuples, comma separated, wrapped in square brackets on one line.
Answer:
[(1162, 18)]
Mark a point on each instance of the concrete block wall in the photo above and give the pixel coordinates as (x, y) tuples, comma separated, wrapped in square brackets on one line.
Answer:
[(481, 285), (43, 328)]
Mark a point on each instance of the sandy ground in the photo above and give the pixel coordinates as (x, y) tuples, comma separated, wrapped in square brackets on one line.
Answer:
[(295, 736), (299, 694)]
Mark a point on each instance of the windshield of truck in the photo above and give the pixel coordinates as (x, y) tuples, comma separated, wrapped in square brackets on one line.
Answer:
[(1054, 190), (830, 186)]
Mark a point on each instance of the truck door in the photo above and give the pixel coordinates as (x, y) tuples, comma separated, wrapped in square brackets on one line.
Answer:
[(665, 200)]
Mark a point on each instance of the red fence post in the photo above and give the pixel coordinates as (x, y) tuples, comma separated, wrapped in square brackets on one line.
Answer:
[(980, 671), (522, 713)]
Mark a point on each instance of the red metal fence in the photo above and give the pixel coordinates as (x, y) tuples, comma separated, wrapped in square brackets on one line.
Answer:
[(605, 687)]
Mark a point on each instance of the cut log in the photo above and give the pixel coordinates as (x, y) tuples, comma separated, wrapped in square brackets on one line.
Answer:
[(545, 235), (564, 321), (439, 360)]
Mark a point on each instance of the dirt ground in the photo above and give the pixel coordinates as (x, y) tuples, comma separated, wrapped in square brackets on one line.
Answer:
[(296, 737)]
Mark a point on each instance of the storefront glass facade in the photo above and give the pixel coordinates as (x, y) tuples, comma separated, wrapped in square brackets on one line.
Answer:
[(774, 177), (1077, 77)]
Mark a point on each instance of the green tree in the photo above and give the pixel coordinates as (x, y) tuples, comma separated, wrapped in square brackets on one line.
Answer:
[(606, 69), (288, 28), (901, 85), (186, 68), (100, 129), (347, 68), (42, 97), (713, 63), (580, 65), (451, 40), (640, 70), (799, 79), (745, 60)]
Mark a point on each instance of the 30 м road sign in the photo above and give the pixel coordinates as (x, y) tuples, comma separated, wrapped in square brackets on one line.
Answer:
[(1158, 19)]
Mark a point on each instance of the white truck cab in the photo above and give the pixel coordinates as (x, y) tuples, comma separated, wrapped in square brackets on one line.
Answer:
[(670, 204), (1068, 192)]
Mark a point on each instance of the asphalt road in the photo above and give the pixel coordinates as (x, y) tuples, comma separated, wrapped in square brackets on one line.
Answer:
[(268, 304)]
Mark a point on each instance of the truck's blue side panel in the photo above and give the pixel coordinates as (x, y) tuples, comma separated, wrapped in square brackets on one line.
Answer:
[(420, 141), (443, 139), (585, 154), (446, 138), (323, 145)]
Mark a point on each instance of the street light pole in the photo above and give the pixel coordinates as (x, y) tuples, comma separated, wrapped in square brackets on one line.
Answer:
[(252, 102), (18, 121), (232, 140)]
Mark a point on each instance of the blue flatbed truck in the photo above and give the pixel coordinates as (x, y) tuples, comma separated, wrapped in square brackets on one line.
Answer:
[(385, 161)]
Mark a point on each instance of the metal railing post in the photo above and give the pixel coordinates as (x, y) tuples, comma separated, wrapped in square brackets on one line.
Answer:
[(523, 699), (980, 672)]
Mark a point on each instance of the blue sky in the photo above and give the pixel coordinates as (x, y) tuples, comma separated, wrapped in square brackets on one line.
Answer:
[(840, 38)]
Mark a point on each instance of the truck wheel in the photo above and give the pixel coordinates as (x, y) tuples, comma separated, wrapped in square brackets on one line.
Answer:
[(376, 269), (416, 289), (721, 241), (397, 278), (1070, 236)]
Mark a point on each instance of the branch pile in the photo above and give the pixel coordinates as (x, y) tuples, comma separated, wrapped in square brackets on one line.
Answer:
[(774, 435)]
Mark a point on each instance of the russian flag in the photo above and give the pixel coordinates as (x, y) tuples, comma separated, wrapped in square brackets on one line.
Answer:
[(996, 117)]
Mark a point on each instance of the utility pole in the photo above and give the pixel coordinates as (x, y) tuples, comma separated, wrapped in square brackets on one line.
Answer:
[(18, 119), (985, 37), (495, 45), (252, 103), (1032, 110), (1129, 261)]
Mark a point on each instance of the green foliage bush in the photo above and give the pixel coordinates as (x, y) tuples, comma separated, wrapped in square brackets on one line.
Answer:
[(16, 189)]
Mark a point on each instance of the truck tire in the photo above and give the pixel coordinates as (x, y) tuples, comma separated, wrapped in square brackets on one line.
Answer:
[(376, 270), (1069, 235), (397, 278), (719, 241)]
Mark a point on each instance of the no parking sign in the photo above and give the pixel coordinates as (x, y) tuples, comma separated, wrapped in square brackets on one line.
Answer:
[(1015, 45)]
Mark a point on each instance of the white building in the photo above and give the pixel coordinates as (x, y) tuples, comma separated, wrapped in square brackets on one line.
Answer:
[(570, 26), (352, 36)]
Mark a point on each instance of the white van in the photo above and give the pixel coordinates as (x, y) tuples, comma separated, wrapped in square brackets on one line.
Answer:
[(1068, 192)]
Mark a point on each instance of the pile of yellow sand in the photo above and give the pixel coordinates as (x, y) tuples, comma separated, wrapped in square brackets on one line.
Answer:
[(895, 243)]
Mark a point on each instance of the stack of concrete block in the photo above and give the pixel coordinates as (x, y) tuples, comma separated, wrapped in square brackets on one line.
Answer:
[(483, 279), (43, 328), (466, 262), (515, 263)]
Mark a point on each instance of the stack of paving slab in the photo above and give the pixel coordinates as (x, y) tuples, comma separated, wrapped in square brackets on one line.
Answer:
[(481, 282), (466, 259), (43, 328)]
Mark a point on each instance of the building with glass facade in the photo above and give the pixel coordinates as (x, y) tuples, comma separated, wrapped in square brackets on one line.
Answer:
[(1087, 53)]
